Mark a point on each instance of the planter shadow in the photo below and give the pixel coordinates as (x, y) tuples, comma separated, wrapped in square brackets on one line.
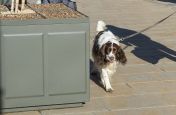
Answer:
[(144, 47)]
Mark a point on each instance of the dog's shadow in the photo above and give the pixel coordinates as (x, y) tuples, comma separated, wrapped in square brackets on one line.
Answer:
[(144, 47), (95, 74), (171, 1)]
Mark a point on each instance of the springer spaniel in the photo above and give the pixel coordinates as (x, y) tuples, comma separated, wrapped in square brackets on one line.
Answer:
[(107, 53)]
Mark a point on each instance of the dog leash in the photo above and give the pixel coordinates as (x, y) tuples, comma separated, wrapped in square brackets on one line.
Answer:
[(135, 34)]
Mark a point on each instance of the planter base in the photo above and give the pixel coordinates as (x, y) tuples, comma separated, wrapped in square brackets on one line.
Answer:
[(43, 107)]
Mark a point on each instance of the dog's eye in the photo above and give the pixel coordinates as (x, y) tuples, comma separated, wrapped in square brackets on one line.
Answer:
[(114, 49)]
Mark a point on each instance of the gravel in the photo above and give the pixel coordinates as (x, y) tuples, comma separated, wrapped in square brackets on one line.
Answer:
[(43, 11)]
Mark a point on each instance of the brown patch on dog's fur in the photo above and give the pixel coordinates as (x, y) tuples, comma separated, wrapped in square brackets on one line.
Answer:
[(120, 55)]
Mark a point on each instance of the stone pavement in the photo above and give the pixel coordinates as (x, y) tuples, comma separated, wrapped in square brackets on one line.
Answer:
[(146, 84)]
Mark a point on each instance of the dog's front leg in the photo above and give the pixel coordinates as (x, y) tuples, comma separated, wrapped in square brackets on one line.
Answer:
[(106, 81)]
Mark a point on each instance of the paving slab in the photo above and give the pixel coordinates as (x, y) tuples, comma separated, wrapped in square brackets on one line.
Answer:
[(24, 113)]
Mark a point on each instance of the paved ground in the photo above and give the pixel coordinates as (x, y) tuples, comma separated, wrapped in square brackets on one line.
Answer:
[(146, 84)]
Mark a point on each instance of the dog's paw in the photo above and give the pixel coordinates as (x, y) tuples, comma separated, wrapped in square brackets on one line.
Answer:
[(110, 90)]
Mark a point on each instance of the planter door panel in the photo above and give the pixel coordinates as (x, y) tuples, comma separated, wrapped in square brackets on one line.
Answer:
[(22, 65), (65, 63)]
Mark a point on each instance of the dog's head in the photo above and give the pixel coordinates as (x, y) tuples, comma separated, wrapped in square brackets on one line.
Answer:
[(113, 52), (106, 48)]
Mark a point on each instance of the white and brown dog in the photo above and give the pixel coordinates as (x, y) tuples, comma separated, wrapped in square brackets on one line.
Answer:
[(107, 53)]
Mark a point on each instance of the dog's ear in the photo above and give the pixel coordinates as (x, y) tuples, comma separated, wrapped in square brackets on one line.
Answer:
[(102, 53), (120, 56), (102, 50)]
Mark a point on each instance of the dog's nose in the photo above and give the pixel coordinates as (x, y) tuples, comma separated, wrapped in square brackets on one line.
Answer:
[(111, 58)]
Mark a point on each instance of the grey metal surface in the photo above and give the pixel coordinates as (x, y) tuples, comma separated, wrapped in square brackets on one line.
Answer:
[(44, 64), (45, 107), (65, 62), (22, 65)]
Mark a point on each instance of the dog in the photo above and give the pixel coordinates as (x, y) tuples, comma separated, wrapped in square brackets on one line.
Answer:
[(15, 5), (107, 53)]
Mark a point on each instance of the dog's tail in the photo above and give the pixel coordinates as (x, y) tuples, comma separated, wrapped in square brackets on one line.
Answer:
[(101, 26)]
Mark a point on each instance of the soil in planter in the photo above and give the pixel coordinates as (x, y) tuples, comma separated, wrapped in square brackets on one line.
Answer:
[(43, 11)]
